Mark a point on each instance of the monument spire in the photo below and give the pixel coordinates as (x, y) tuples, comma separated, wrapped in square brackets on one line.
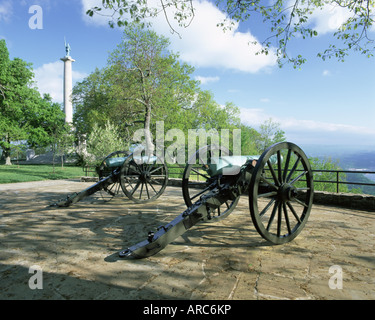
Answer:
[(68, 84)]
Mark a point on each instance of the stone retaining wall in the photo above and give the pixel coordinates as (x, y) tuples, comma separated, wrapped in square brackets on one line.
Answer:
[(346, 200)]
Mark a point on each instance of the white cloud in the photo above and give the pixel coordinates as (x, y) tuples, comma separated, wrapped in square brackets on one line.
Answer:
[(311, 131), (253, 117), (6, 11), (205, 80), (329, 18), (49, 79), (311, 125), (326, 73), (202, 43), (315, 132), (233, 90)]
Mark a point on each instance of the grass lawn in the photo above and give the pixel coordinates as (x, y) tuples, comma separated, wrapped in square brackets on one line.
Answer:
[(25, 173)]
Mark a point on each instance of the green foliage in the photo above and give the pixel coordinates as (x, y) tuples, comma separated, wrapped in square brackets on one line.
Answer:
[(144, 83), (92, 102), (249, 136), (24, 114), (359, 178), (101, 142), (149, 81), (269, 134), (63, 141), (327, 164)]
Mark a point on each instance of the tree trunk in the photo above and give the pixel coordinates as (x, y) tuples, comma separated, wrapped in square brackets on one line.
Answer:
[(148, 137), (6, 153), (8, 162)]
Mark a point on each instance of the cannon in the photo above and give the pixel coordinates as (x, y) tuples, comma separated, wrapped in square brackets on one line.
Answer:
[(142, 179), (279, 186)]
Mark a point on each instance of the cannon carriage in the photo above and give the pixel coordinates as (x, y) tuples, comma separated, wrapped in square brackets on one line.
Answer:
[(140, 177), (279, 186)]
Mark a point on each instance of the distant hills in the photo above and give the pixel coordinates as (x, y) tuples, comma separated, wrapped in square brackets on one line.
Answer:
[(358, 158), (348, 157)]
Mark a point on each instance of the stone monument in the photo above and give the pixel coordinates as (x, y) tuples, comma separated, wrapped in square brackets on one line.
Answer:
[(68, 85)]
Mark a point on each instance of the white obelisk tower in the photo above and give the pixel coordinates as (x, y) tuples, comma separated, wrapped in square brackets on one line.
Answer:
[(68, 85)]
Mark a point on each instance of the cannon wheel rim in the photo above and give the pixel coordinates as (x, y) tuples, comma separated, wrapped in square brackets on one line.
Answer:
[(288, 215), (138, 179), (110, 191), (187, 190)]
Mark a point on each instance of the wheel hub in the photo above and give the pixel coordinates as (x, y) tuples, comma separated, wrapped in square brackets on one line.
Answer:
[(287, 192), (145, 176)]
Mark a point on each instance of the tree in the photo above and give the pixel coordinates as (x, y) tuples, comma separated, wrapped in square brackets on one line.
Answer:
[(326, 164), (284, 20), (269, 134), (93, 104), (249, 138), (101, 142), (149, 76), (61, 139), (143, 83), (4, 61), (24, 114)]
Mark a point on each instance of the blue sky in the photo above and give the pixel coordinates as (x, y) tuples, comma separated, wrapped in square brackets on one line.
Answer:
[(325, 103)]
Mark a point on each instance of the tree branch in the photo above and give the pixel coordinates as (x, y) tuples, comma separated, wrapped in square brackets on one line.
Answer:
[(2, 88)]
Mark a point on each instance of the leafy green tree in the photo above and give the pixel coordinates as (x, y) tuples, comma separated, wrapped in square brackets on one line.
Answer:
[(101, 142), (326, 165), (4, 62), (92, 102), (149, 77), (249, 137), (269, 134), (24, 114), (143, 83), (205, 113), (62, 141), (283, 19), (208, 114)]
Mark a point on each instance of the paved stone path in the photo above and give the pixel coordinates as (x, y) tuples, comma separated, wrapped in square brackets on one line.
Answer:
[(76, 250)]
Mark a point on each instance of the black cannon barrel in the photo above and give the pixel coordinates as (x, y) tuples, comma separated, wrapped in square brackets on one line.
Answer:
[(198, 212), (78, 196)]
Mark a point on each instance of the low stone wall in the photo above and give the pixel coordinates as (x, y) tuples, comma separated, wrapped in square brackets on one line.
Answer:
[(346, 200), (89, 179)]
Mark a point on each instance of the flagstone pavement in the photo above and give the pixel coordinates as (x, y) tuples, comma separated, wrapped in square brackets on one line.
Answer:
[(75, 251)]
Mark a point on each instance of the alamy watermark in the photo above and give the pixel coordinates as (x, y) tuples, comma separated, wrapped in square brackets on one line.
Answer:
[(336, 280), (36, 20), (36, 280), (176, 151)]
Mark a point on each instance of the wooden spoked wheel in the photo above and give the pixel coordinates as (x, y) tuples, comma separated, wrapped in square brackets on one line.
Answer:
[(197, 180), (111, 190), (281, 193), (143, 178)]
